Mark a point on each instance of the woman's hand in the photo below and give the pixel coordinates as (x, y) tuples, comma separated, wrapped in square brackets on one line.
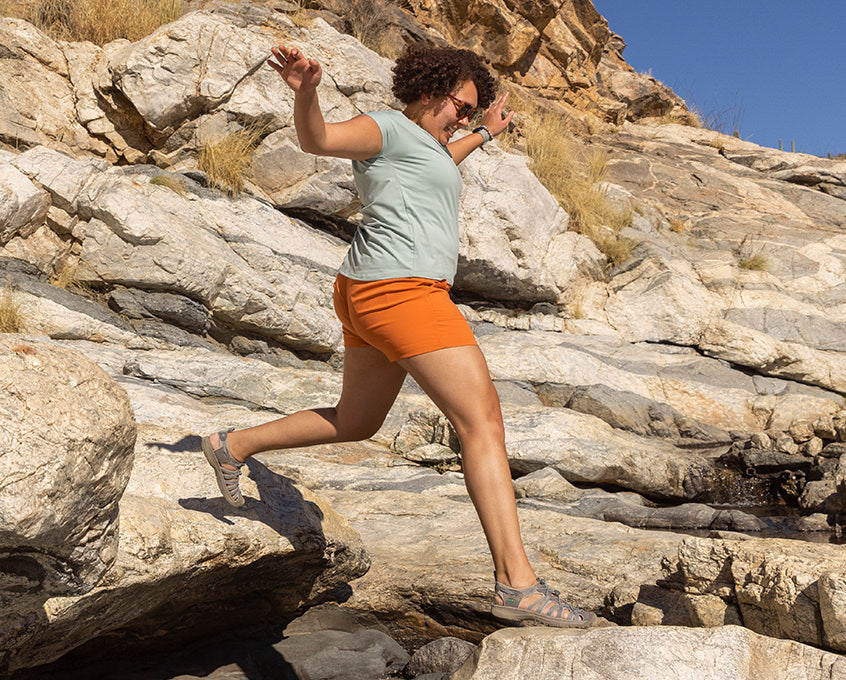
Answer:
[(493, 118), (300, 74)]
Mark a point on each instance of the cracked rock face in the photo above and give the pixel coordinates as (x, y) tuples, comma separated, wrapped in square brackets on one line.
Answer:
[(213, 311)]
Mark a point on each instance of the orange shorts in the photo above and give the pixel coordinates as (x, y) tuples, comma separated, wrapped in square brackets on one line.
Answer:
[(400, 317)]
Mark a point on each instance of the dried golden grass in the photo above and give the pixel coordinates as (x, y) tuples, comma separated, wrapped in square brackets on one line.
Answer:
[(369, 24), (173, 183), (688, 118), (301, 16), (226, 161), (677, 225), (573, 174), (68, 279), (756, 262), (11, 319), (98, 21)]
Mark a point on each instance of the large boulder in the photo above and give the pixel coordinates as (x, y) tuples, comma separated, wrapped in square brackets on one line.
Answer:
[(190, 564), (67, 434)]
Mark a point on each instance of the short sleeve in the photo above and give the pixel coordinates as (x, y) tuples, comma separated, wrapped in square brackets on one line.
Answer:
[(386, 120)]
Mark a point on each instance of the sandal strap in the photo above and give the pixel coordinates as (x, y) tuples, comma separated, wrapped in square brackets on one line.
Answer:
[(514, 597), (225, 456)]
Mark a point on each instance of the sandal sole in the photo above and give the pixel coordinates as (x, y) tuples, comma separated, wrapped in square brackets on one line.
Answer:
[(527, 618), (218, 473)]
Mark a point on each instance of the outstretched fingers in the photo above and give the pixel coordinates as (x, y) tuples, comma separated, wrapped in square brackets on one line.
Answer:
[(296, 69), (494, 119)]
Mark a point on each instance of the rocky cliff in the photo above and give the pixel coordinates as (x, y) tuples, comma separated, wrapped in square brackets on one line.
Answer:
[(668, 394)]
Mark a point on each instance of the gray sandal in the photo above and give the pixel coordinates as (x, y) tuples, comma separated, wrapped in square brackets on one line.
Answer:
[(549, 609), (227, 480)]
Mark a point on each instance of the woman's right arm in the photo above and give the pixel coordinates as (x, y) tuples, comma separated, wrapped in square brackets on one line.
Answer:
[(358, 138)]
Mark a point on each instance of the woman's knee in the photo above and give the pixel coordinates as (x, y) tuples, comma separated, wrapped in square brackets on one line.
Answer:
[(357, 429)]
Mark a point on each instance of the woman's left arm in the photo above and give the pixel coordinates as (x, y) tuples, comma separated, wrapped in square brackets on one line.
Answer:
[(493, 120)]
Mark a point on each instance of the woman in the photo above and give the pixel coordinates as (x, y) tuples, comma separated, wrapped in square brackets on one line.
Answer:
[(391, 296)]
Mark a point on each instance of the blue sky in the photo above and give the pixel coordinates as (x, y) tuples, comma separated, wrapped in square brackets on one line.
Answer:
[(776, 69)]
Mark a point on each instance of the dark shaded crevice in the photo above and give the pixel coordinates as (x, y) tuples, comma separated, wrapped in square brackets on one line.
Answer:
[(334, 225)]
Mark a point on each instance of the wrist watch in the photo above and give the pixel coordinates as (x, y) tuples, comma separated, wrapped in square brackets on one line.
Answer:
[(486, 134)]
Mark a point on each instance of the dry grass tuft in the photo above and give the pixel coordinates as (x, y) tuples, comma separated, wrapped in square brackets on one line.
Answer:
[(68, 279), (682, 117), (226, 161), (757, 262), (99, 21), (677, 225), (173, 183), (750, 254), (367, 20), (11, 319), (573, 175), (301, 16)]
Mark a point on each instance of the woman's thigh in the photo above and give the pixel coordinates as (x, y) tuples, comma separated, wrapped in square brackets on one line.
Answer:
[(458, 381), (370, 385)]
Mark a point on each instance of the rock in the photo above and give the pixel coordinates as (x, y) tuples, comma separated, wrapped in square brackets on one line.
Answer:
[(23, 206), (294, 179), (514, 240), (443, 655), (761, 441), (546, 483), (824, 428), (184, 555), (812, 447), (67, 435), (729, 653), (546, 47), (754, 461), (170, 308), (700, 388), (785, 444), (251, 266), (43, 248), (431, 454), (657, 298), (801, 431), (329, 644), (819, 496), (609, 507), (774, 582), (658, 606), (39, 102), (833, 450), (416, 538), (422, 428), (832, 593), (629, 411), (585, 449)]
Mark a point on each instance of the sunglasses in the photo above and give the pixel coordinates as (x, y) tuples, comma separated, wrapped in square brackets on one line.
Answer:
[(462, 109)]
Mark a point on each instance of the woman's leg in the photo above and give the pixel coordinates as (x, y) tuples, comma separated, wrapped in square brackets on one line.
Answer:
[(370, 386), (458, 381)]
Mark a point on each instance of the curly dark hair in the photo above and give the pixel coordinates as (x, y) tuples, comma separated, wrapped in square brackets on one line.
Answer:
[(424, 69)]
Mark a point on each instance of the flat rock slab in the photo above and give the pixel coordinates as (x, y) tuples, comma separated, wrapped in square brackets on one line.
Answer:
[(703, 389), (431, 573), (725, 653)]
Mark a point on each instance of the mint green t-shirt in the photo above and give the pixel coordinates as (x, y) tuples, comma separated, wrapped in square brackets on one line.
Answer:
[(409, 194)]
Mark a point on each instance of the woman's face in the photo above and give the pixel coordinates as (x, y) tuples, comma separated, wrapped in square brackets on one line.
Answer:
[(446, 114)]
